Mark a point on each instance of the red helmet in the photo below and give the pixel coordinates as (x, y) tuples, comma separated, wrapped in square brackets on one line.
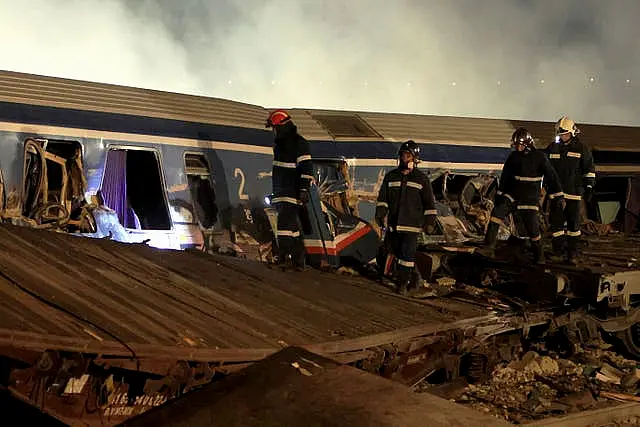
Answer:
[(278, 117)]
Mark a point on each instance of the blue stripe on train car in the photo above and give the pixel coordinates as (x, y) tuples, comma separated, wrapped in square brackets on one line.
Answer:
[(432, 152), (602, 157), (125, 123)]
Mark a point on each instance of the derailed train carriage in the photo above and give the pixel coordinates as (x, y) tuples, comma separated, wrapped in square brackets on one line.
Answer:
[(189, 172), (181, 171)]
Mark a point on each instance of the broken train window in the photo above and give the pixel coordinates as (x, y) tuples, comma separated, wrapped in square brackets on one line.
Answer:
[(54, 182), (132, 185), (203, 195)]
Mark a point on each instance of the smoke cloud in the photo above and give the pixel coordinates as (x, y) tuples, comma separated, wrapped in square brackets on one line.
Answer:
[(518, 59)]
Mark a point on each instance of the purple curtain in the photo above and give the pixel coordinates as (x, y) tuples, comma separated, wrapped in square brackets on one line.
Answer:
[(114, 188)]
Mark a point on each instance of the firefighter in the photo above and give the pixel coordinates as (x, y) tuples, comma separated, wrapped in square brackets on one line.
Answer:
[(291, 179), (573, 162), (406, 201), (521, 181)]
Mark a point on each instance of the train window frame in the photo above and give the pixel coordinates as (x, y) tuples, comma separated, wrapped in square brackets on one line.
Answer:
[(201, 172), (196, 171), (51, 158), (163, 184)]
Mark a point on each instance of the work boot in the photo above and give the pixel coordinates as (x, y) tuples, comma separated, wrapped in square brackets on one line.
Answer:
[(538, 253), (556, 257), (572, 258), (559, 245), (287, 263), (403, 288), (299, 262), (403, 280), (274, 261)]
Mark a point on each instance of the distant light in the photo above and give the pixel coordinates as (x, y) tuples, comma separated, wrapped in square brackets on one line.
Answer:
[(628, 81), (409, 83), (453, 83), (541, 81), (592, 79), (273, 82), (499, 83), (229, 82), (365, 84)]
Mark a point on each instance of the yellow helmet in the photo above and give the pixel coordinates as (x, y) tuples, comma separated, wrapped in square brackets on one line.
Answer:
[(566, 125)]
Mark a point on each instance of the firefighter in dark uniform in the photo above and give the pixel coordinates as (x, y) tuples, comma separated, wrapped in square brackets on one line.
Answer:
[(519, 191), (292, 175), (573, 162), (406, 201)]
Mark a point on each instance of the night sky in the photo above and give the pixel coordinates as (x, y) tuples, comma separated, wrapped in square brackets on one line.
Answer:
[(525, 59)]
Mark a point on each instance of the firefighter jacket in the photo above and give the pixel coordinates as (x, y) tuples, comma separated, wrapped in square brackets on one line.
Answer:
[(292, 166), (523, 175), (574, 164), (406, 200)]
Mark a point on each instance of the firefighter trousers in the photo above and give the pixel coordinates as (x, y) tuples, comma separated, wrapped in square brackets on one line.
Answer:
[(289, 234), (403, 247), (565, 238), (527, 216)]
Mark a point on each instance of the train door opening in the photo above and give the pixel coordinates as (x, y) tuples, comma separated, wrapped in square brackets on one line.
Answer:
[(133, 187)]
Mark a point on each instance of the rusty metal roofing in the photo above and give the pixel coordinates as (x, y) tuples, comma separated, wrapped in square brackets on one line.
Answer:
[(59, 291), (313, 124)]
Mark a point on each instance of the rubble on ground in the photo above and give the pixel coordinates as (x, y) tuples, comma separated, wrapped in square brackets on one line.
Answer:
[(591, 227), (624, 422), (541, 384)]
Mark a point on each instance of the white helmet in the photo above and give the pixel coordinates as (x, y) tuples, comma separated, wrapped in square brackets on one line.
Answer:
[(566, 125)]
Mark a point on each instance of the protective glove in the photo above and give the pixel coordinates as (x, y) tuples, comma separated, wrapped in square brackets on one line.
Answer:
[(430, 224), (562, 203), (304, 196)]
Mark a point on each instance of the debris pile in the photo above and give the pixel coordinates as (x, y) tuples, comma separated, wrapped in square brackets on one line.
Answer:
[(591, 227), (541, 384)]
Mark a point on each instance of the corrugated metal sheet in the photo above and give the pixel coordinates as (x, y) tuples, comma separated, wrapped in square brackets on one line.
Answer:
[(152, 299), (64, 93)]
